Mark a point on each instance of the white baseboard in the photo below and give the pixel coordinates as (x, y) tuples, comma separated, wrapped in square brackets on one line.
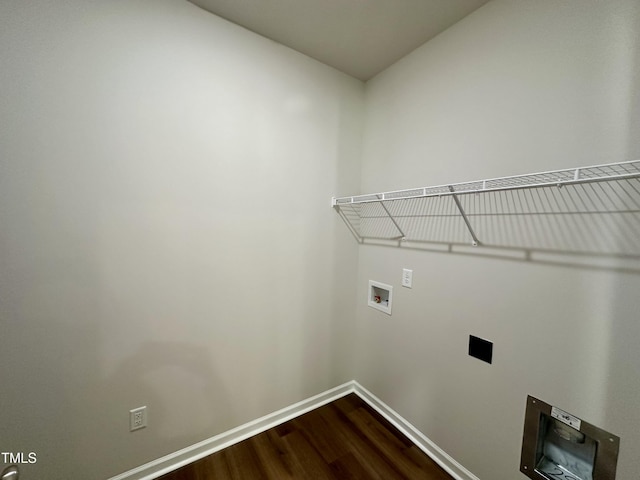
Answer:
[(438, 455), (173, 461), (183, 457)]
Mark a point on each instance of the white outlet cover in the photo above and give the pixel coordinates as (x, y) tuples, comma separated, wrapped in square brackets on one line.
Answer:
[(407, 277), (137, 418)]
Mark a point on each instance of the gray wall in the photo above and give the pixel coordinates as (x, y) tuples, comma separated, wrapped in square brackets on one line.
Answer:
[(516, 87), (166, 237)]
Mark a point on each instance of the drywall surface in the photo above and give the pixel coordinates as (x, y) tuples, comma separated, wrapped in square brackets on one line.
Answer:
[(516, 87), (166, 237)]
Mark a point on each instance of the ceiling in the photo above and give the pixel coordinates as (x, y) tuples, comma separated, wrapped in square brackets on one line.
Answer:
[(358, 37)]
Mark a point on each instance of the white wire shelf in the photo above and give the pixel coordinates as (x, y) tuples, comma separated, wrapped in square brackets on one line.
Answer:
[(593, 209), (596, 173)]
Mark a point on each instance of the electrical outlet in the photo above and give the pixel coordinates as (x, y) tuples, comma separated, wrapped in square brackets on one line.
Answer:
[(407, 277), (137, 418)]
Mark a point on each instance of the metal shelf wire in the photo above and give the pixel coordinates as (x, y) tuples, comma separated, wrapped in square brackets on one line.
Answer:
[(592, 209)]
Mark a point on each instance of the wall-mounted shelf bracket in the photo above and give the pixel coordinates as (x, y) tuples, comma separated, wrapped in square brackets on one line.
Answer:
[(475, 242), (402, 235)]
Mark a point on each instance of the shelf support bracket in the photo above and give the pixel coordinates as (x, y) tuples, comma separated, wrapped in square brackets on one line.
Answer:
[(391, 217), (353, 231), (476, 242)]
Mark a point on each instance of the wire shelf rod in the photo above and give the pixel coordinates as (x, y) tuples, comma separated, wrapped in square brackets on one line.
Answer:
[(573, 176)]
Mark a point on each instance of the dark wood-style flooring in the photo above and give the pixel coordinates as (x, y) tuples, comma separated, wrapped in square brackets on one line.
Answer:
[(345, 439)]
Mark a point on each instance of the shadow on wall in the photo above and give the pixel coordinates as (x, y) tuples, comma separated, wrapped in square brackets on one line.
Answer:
[(75, 420), (606, 262), (184, 397), (47, 378), (622, 377)]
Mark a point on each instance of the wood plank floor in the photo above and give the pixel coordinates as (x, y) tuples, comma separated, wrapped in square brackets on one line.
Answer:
[(345, 439)]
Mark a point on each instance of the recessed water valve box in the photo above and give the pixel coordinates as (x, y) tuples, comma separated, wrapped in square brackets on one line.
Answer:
[(380, 296), (558, 445)]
